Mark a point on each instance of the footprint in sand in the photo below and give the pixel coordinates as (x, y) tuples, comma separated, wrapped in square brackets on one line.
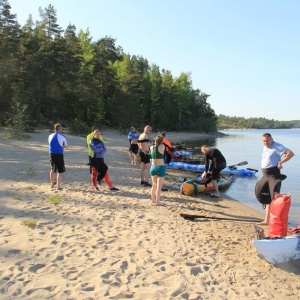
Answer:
[(36, 268), (85, 287), (59, 258), (13, 252)]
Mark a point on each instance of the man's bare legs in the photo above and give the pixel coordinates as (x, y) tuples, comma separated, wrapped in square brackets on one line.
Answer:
[(268, 209), (52, 174), (215, 184), (134, 159), (145, 169), (58, 179), (131, 155)]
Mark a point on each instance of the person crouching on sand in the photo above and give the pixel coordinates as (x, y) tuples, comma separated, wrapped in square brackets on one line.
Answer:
[(99, 168), (158, 169), (215, 162)]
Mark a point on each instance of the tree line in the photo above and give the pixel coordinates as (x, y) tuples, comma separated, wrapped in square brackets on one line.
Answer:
[(226, 122), (49, 74)]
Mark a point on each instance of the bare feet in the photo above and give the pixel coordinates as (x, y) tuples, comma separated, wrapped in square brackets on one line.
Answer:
[(263, 223)]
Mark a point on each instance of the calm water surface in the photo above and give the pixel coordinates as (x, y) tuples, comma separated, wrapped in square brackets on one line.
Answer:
[(240, 145)]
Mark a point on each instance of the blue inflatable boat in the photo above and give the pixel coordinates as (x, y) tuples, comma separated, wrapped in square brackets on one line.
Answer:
[(201, 168)]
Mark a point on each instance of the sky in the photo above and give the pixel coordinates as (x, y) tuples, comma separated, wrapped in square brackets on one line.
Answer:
[(244, 54)]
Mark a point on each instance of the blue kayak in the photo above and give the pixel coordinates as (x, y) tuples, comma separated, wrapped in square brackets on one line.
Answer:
[(201, 168), (183, 153)]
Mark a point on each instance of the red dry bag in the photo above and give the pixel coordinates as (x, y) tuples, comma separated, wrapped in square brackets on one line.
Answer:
[(279, 212)]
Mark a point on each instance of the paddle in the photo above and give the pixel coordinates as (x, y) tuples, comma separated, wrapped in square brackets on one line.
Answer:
[(242, 163), (254, 170), (188, 216)]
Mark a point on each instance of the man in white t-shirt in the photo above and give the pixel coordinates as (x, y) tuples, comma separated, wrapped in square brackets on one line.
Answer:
[(271, 163)]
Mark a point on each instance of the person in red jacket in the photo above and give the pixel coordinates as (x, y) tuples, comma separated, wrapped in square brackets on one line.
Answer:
[(168, 148)]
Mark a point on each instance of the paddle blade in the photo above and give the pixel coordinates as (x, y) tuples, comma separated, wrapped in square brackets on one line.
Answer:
[(188, 216), (242, 163)]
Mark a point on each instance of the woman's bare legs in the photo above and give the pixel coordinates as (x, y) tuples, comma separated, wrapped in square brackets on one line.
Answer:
[(157, 183), (160, 182), (153, 189)]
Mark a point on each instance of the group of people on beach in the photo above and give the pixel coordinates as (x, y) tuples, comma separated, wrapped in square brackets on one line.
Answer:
[(96, 149), (273, 156)]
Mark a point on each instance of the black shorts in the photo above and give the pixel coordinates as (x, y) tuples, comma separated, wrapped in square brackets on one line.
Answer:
[(57, 163), (134, 148), (145, 158)]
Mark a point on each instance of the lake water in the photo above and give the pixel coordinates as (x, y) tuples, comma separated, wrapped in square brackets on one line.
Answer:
[(246, 145)]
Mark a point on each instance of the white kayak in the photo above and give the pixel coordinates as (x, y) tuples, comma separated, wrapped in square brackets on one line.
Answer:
[(279, 250)]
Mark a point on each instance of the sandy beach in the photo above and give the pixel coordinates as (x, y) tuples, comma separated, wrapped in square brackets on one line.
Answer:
[(106, 244)]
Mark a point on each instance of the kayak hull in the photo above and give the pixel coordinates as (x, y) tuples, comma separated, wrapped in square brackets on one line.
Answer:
[(223, 183), (280, 250), (201, 168), (193, 160)]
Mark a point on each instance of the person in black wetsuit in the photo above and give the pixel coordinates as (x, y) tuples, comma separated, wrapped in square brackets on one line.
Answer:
[(215, 162)]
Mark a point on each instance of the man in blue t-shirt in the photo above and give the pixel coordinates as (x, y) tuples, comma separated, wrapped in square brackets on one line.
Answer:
[(57, 143), (133, 136), (273, 156)]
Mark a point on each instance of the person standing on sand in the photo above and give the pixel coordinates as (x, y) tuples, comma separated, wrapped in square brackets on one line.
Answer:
[(133, 136), (144, 145), (99, 168), (88, 139), (158, 169), (57, 142), (215, 162), (271, 164), (135, 147)]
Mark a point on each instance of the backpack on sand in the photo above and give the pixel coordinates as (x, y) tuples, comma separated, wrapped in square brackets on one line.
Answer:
[(189, 188)]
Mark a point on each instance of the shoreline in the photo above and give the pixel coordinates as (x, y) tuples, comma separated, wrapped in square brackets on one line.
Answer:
[(115, 245)]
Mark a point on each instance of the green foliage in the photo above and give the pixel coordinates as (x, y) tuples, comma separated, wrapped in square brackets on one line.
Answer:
[(30, 223), (9, 133), (55, 200), (28, 172), (226, 122), (19, 118), (79, 127), (49, 74), (294, 123)]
